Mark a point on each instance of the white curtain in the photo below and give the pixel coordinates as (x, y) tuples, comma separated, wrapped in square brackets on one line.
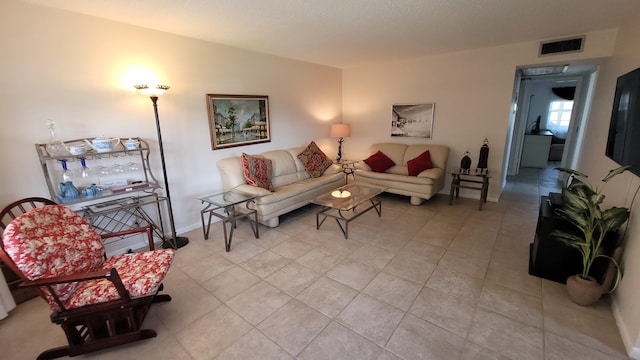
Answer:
[(6, 299)]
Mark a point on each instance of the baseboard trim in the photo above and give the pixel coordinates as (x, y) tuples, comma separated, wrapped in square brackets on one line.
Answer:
[(630, 345)]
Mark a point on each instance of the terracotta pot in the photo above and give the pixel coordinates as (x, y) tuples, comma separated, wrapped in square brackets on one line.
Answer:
[(583, 291)]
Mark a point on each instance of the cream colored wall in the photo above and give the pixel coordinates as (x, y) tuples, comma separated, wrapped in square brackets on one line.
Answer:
[(78, 71), (472, 91), (621, 190)]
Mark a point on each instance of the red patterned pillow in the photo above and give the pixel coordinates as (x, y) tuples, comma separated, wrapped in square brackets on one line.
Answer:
[(379, 162), (314, 160), (419, 164), (257, 171)]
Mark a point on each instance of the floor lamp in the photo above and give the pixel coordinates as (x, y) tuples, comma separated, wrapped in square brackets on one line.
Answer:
[(175, 242)]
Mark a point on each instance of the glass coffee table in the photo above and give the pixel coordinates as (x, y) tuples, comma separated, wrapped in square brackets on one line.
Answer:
[(230, 204), (347, 203)]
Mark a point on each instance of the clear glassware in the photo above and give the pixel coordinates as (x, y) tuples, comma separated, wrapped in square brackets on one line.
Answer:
[(103, 172), (66, 173), (55, 146), (133, 167), (85, 172), (118, 169)]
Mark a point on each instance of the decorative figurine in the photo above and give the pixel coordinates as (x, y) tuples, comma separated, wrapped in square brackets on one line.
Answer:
[(465, 162), (484, 154)]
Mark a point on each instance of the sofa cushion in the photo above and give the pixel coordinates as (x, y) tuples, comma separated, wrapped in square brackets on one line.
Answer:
[(439, 154), (394, 151), (299, 188), (314, 160), (257, 171), (379, 162), (419, 164), (286, 167)]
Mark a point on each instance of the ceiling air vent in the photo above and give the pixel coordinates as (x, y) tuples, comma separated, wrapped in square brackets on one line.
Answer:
[(574, 44)]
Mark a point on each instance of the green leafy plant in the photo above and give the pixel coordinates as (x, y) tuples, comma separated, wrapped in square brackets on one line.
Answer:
[(581, 207)]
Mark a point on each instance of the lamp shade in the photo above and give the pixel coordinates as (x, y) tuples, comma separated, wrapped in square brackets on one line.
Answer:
[(340, 130)]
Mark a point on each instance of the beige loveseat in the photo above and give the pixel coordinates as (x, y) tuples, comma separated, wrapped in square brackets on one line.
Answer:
[(293, 187), (420, 187)]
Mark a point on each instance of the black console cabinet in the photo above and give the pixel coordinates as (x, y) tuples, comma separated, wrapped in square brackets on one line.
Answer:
[(551, 259)]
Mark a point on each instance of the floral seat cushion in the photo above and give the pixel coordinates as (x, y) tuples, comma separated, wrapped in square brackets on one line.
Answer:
[(141, 274), (54, 241)]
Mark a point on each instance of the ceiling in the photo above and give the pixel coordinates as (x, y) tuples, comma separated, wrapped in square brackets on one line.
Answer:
[(346, 33)]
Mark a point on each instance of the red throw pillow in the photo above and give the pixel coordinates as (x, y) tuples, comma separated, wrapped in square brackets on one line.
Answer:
[(419, 164), (314, 160), (257, 171), (379, 162)]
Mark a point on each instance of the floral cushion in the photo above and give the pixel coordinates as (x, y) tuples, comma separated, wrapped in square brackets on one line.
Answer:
[(257, 171), (314, 160), (54, 241), (141, 274)]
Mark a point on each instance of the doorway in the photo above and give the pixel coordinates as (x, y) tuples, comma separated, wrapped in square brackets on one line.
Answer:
[(548, 124)]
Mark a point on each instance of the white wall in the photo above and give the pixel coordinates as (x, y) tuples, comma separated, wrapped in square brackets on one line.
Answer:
[(472, 91), (621, 191), (79, 71)]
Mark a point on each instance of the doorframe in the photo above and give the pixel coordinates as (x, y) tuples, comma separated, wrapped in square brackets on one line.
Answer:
[(585, 84)]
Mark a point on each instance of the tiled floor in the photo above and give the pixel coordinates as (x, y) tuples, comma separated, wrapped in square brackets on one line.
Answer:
[(428, 282)]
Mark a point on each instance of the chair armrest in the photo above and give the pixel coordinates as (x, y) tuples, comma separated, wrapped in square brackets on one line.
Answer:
[(111, 275), (148, 229), (103, 274)]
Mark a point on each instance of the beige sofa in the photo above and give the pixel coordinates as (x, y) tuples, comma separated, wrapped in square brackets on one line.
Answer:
[(294, 187), (421, 187)]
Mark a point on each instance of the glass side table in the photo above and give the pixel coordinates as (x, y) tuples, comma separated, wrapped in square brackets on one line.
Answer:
[(475, 179), (227, 206)]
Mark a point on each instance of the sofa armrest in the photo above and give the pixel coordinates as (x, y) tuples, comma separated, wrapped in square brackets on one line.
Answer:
[(433, 173), (253, 190), (362, 165)]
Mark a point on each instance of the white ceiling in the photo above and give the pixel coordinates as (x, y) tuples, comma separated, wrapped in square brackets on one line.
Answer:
[(344, 33)]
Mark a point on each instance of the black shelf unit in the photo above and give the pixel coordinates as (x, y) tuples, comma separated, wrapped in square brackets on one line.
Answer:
[(551, 259)]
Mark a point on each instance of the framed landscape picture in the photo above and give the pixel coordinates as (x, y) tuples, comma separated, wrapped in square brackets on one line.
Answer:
[(412, 120), (238, 120)]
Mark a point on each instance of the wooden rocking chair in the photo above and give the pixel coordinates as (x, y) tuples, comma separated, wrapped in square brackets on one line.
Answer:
[(98, 302)]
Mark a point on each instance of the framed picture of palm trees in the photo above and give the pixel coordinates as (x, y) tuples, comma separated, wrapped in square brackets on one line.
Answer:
[(238, 120)]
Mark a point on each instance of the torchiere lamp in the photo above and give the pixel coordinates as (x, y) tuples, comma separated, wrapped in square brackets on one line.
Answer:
[(340, 131), (175, 242)]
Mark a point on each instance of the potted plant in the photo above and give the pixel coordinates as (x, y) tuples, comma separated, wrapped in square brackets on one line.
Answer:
[(582, 208)]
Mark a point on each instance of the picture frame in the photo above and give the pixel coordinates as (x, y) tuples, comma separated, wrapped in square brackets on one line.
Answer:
[(412, 120), (238, 120)]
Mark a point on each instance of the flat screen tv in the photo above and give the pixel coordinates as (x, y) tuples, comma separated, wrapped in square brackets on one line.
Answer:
[(623, 144)]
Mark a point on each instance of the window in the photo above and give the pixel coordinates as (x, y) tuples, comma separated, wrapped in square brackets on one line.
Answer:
[(560, 114)]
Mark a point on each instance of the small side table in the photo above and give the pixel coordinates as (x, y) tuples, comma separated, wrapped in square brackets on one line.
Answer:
[(470, 179), (229, 203), (348, 168)]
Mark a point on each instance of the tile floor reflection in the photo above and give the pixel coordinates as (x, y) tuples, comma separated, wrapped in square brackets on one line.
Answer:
[(435, 281)]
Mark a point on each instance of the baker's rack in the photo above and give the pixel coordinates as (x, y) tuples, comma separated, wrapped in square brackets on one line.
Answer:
[(121, 204)]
